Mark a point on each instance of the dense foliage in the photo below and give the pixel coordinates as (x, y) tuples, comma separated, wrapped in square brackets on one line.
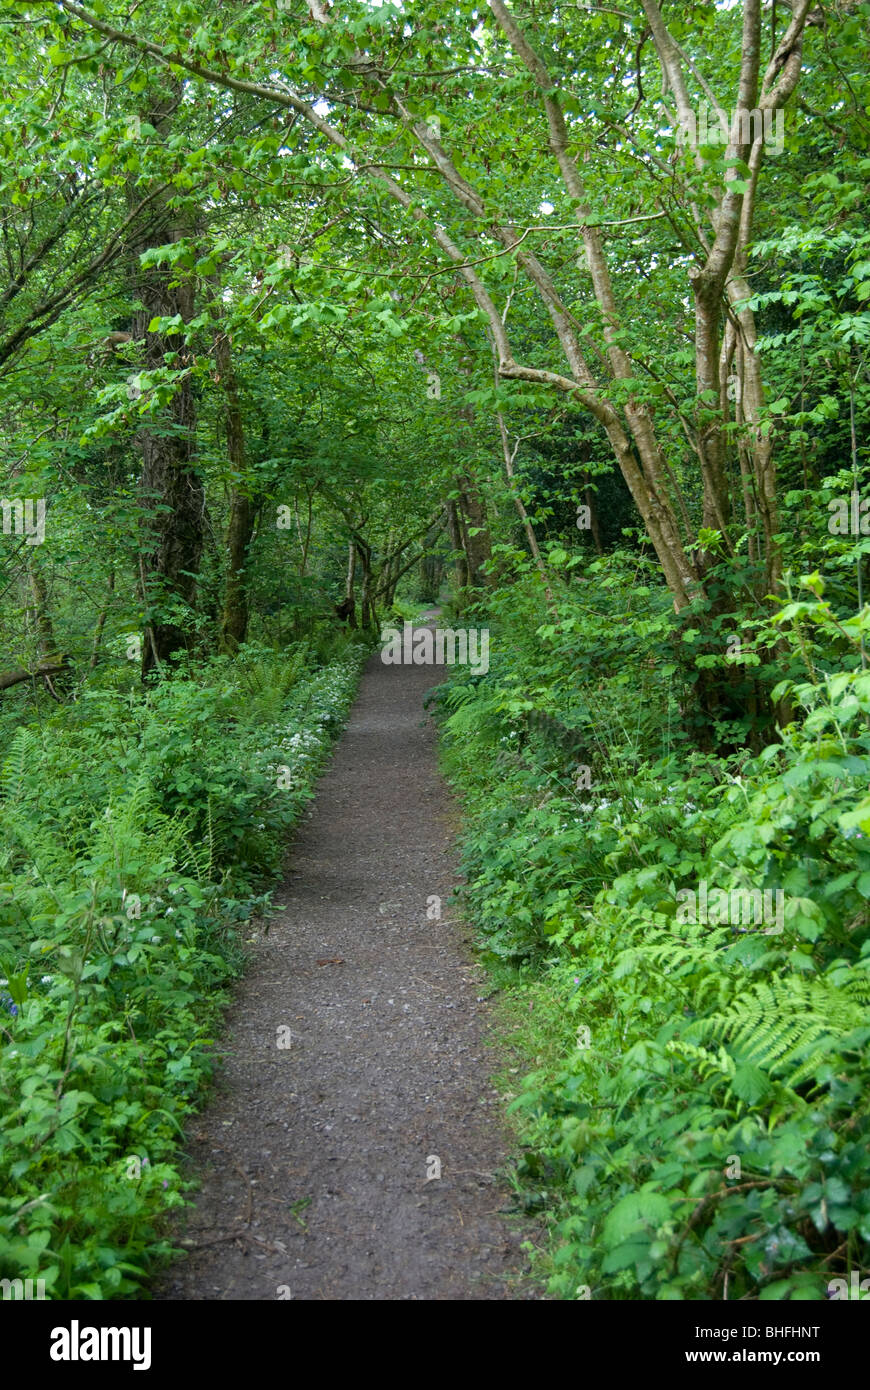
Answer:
[(313, 313), (697, 1122), (138, 836)]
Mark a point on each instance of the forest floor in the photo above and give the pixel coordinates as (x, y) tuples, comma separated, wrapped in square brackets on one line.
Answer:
[(313, 1157)]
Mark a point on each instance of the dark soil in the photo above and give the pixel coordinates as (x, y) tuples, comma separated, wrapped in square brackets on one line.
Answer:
[(313, 1158)]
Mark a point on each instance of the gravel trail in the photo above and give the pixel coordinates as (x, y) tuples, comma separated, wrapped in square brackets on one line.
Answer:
[(314, 1157)]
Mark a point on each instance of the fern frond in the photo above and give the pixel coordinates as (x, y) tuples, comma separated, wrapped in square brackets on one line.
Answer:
[(789, 1019), (200, 857), (14, 767)]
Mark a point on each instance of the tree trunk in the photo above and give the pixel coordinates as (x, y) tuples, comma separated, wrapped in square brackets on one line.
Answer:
[(52, 664), (349, 594), (236, 609), (48, 649), (243, 509), (592, 504), (171, 486), (459, 556), (431, 573), (509, 455), (367, 606), (475, 531), (101, 622)]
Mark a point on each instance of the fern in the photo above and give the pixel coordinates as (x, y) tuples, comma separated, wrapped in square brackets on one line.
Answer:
[(270, 680), (28, 842), (14, 769), (683, 954), (201, 857), (789, 1019), (474, 711)]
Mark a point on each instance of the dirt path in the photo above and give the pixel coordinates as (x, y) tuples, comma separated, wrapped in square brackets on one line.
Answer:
[(314, 1157)]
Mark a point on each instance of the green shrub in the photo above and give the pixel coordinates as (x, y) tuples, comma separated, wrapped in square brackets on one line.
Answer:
[(696, 1123), (136, 844)]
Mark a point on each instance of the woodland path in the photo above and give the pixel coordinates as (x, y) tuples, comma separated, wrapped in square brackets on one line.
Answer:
[(313, 1158)]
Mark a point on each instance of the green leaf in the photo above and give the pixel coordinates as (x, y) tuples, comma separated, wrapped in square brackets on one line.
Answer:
[(636, 1209), (750, 1084)]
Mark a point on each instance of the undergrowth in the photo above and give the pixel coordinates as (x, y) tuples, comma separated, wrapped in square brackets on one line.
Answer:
[(694, 1112), (138, 834)]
